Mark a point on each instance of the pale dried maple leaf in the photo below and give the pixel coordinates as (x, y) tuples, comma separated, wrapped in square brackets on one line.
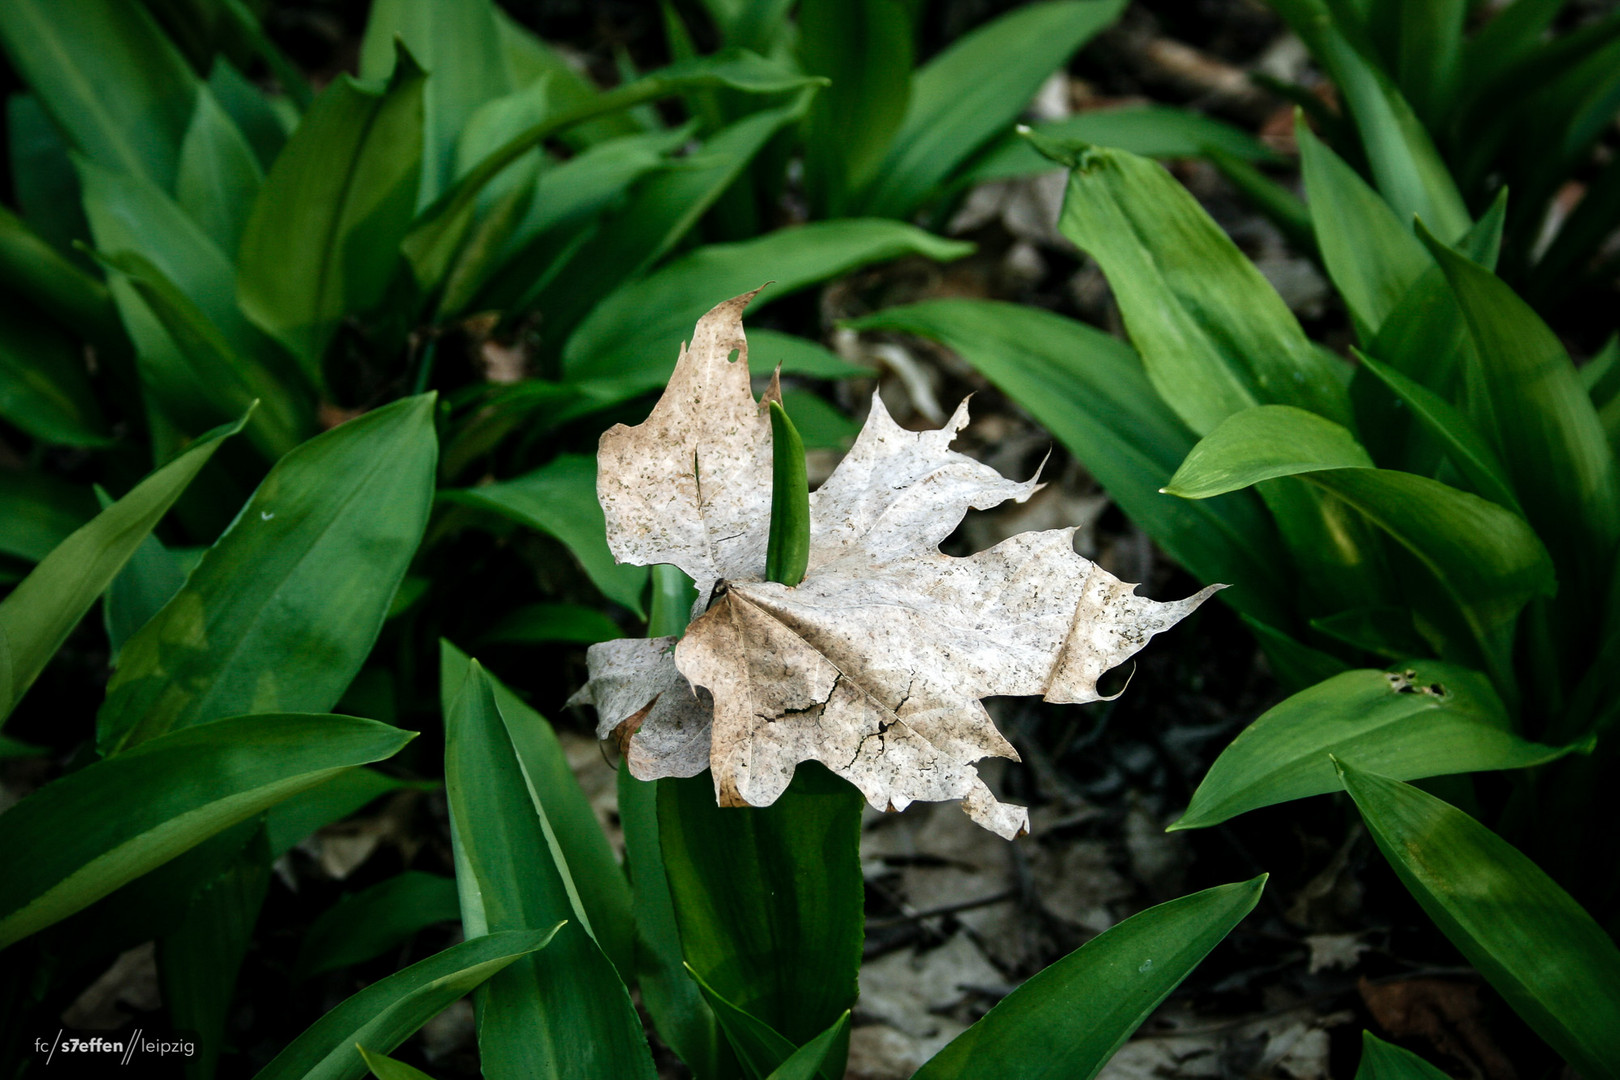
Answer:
[(875, 664)]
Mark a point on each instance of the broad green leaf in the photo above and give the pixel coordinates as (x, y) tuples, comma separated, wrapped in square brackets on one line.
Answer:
[(82, 836), (1429, 56), (1381, 1061), (972, 92), (128, 214), (1384, 631), (1456, 434), (1081, 1009), (370, 922), (219, 176), (1261, 443), (224, 381), (1486, 559), (661, 210), (1156, 131), (110, 80), (1542, 424), (559, 499), (1214, 336), (440, 227), (1405, 164), (597, 879), (384, 1067), (1527, 936), (389, 1011), (569, 200), (458, 43), (677, 1007), (1370, 253), (44, 387), (38, 511), (763, 1051), (631, 340), (768, 899), (799, 356), (37, 272), (282, 610), (568, 1016), (530, 59), (864, 47), (37, 616), (820, 423), (1090, 392), (533, 624), (323, 238), (1420, 720)]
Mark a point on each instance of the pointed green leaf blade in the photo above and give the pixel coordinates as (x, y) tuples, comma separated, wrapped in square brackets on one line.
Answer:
[(1263, 443), (80, 837), (389, 1011), (368, 923), (1082, 1008), (1526, 935), (1381, 1061), (1424, 719)]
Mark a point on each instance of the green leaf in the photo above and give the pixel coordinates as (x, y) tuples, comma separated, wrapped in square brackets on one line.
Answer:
[(1381, 1061), (389, 1011), (1156, 131), (1370, 254), (439, 228), (559, 499), (1423, 719), (111, 82), (200, 959), (1285, 209), (1261, 443), (662, 209), (788, 550), (812, 1059), (42, 276), (1486, 559), (458, 43), (82, 836), (37, 616), (768, 899), (384, 1067), (1464, 445), (534, 624), (569, 1015), (770, 349), (595, 874), (219, 176), (1405, 164), (323, 238), (43, 179), (1542, 424), (631, 340), (1214, 336), (224, 381), (1080, 1010), (865, 50), (764, 1052), (531, 59), (1530, 940), (677, 1007), (265, 122), (972, 91), (283, 609), (148, 581), (821, 424), (44, 387), (1089, 391), (370, 922)]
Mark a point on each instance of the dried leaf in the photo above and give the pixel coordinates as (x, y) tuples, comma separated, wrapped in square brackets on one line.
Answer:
[(876, 662)]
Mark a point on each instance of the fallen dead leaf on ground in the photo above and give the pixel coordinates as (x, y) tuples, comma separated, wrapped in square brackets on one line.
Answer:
[(876, 663)]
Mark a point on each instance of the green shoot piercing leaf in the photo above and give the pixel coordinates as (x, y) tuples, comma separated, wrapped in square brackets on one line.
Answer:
[(875, 663)]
